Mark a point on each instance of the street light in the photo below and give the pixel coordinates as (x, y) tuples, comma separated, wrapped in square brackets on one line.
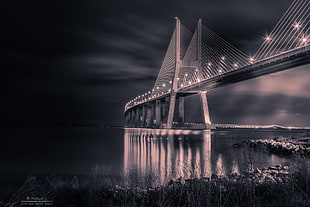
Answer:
[(304, 40), (267, 38), (252, 60), (297, 25)]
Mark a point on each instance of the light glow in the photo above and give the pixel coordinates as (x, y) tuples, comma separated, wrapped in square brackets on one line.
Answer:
[(267, 38), (304, 40), (251, 59), (297, 25)]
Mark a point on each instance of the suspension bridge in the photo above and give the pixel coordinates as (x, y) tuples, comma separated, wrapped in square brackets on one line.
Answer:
[(200, 61)]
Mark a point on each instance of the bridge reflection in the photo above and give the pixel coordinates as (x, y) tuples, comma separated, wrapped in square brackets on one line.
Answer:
[(169, 153), (188, 153)]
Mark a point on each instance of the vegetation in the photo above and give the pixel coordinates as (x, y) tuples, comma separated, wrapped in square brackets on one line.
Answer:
[(97, 189)]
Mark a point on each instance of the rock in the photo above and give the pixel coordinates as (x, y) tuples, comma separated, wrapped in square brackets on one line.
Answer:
[(257, 170), (214, 177)]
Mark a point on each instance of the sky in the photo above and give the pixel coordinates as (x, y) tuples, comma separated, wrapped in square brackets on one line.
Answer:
[(81, 61)]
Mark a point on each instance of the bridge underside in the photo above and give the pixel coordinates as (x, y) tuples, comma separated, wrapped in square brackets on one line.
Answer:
[(155, 114)]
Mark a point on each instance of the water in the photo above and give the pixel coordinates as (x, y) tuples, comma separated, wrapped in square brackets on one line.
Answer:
[(189, 153), (169, 153)]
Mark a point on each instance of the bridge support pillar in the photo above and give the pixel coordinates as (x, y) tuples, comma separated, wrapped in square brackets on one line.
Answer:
[(165, 110), (181, 110), (128, 117), (205, 109), (158, 112), (137, 117), (132, 118), (143, 116), (148, 115), (171, 110)]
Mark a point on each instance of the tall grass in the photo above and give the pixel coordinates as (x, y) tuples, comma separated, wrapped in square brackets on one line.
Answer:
[(134, 189)]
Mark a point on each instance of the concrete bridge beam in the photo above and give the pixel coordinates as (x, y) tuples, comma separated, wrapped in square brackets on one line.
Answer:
[(158, 112), (171, 110), (205, 108), (181, 110)]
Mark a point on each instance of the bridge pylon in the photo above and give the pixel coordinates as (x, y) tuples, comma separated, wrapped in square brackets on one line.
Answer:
[(173, 94), (178, 64)]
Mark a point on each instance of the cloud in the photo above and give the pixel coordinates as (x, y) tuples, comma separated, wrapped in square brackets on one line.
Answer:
[(293, 82), (95, 55)]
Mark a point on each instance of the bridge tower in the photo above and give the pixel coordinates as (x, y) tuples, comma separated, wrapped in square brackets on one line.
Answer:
[(178, 62), (203, 95), (174, 99)]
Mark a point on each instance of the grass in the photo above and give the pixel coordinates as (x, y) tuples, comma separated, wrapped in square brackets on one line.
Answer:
[(97, 189)]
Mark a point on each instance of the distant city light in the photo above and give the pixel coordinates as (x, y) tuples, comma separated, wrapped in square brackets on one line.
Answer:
[(181, 85), (186, 74), (164, 85), (170, 82)]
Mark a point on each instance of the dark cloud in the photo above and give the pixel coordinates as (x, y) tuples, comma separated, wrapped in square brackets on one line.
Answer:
[(83, 60)]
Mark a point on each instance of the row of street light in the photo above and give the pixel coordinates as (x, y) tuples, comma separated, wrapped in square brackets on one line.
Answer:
[(166, 87)]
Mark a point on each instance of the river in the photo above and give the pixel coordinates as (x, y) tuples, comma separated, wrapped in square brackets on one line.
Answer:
[(168, 153)]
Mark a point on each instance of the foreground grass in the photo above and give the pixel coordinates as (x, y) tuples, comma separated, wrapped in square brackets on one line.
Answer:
[(97, 189)]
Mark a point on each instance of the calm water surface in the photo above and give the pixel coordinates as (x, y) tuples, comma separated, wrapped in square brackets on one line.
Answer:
[(169, 153)]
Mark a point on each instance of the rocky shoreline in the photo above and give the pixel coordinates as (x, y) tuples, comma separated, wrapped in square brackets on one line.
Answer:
[(283, 146)]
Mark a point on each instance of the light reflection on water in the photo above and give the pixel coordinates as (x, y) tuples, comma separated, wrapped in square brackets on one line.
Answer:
[(190, 153)]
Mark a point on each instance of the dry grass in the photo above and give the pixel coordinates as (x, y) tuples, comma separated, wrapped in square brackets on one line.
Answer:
[(97, 189)]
